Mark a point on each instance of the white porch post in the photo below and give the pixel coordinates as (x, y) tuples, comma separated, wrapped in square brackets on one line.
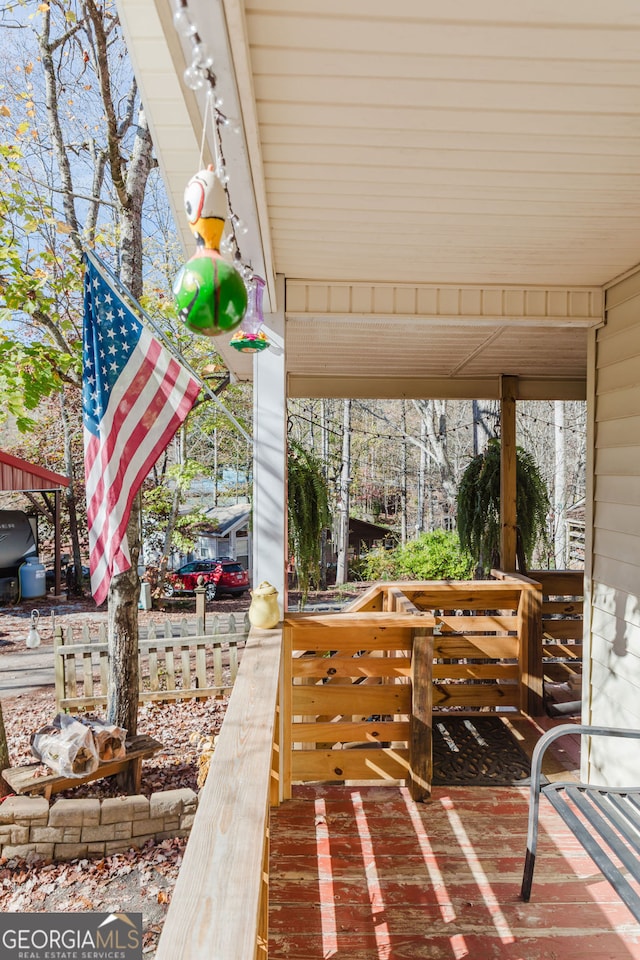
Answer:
[(270, 456)]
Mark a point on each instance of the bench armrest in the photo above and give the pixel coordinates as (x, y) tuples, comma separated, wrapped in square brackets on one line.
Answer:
[(568, 729)]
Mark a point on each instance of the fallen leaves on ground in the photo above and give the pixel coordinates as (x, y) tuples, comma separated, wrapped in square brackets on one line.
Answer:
[(181, 728), (138, 881)]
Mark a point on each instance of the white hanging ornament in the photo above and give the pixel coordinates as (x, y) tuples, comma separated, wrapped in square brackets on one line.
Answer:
[(33, 637)]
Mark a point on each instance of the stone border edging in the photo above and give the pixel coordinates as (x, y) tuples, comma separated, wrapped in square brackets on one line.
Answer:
[(69, 829)]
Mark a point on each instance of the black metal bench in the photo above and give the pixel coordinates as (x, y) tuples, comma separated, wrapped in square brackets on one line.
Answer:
[(609, 823)]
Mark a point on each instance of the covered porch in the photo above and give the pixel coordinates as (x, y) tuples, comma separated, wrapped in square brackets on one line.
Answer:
[(443, 204)]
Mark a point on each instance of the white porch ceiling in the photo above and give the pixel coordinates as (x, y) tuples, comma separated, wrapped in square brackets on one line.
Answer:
[(417, 146)]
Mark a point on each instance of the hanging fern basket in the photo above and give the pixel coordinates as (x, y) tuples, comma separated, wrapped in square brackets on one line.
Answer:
[(479, 506)]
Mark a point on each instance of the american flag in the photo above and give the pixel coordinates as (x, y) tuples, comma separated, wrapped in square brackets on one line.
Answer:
[(135, 396)]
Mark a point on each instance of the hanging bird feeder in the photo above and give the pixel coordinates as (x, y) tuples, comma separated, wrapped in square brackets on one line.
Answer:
[(251, 338)]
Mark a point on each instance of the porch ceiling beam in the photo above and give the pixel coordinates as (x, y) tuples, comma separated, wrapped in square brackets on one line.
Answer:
[(491, 305), (451, 320), (419, 388)]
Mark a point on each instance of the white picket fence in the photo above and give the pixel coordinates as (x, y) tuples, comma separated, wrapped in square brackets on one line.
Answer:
[(177, 661)]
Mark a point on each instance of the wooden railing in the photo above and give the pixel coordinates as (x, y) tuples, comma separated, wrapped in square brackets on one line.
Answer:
[(557, 653), (562, 623), (349, 710), (487, 639), (173, 665), (219, 906)]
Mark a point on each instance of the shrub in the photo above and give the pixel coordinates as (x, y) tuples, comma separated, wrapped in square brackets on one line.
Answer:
[(378, 564), (434, 556)]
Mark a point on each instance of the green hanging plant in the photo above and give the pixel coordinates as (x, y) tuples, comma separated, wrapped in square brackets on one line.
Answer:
[(308, 513), (479, 506)]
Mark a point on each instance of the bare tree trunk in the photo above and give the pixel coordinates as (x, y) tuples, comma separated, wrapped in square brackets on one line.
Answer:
[(324, 435), (422, 479), (559, 535), (476, 426), (122, 696), (124, 591), (140, 166), (70, 496), (433, 413), (342, 568), (215, 467), (175, 507), (55, 128)]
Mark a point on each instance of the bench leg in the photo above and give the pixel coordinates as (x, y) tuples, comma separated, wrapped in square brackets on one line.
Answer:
[(532, 836), (527, 879), (137, 773)]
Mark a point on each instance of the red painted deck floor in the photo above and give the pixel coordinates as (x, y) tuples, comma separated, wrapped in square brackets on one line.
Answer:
[(364, 873)]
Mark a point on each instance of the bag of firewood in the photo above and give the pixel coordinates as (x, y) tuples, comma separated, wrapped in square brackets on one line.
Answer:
[(109, 739), (66, 746)]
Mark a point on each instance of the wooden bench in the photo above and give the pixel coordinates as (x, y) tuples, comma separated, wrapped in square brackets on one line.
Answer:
[(609, 824), (22, 779)]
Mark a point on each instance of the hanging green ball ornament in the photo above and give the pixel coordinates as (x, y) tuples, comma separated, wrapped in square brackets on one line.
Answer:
[(210, 294)]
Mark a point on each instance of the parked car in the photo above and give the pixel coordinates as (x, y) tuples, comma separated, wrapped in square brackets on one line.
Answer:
[(234, 579), (220, 577), (184, 580)]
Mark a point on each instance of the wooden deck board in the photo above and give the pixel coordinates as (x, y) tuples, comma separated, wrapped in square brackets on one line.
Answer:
[(364, 873)]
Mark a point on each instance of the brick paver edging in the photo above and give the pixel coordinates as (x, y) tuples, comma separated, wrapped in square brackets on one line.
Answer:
[(68, 829)]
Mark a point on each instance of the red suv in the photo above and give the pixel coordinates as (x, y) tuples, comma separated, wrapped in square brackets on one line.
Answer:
[(234, 579), (185, 579), (219, 576)]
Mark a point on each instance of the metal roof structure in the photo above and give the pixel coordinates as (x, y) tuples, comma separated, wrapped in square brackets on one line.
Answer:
[(20, 475)]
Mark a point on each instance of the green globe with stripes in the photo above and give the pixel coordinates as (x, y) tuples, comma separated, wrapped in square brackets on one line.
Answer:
[(210, 294)]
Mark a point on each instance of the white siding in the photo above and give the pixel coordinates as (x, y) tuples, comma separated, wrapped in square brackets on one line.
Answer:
[(613, 686)]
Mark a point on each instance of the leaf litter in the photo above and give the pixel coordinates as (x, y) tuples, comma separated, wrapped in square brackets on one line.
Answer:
[(137, 881)]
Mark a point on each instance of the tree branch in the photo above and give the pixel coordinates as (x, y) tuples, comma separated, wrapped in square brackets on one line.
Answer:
[(99, 166), (65, 36), (55, 128), (116, 161), (127, 120)]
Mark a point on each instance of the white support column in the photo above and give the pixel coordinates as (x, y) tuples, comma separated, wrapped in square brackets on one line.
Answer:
[(270, 455)]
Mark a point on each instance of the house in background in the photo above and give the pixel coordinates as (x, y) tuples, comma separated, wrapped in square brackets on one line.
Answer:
[(363, 536), (444, 203), (231, 535)]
